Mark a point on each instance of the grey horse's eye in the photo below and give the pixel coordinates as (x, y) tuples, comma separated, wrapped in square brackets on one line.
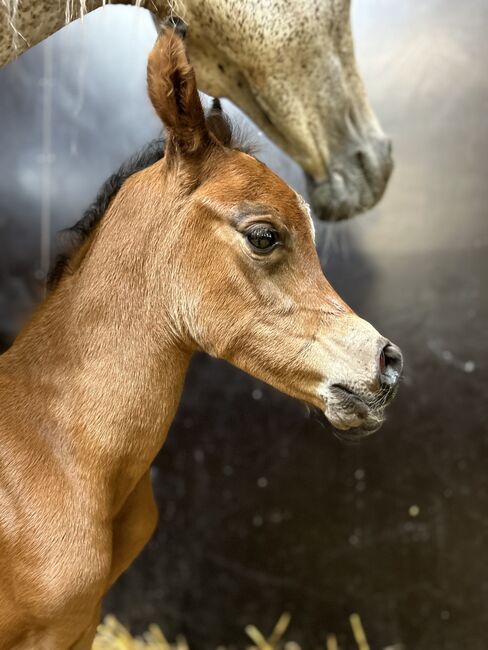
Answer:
[(263, 238)]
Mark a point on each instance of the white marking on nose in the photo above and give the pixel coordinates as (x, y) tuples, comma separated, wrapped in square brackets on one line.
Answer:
[(307, 212)]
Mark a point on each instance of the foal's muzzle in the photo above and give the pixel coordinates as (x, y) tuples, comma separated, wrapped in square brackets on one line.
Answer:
[(355, 406)]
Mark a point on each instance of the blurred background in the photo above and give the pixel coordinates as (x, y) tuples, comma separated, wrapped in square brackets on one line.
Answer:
[(262, 510)]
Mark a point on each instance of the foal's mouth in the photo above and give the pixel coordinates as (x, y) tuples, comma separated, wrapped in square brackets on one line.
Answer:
[(353, 416)]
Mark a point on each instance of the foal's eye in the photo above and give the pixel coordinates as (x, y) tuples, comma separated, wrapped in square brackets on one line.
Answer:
[(263, 238)]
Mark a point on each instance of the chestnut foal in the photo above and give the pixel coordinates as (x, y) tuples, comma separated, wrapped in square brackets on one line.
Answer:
[(206, 249)]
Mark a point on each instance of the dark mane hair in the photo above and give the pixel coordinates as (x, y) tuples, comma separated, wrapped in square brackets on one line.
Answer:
[(70, 239)]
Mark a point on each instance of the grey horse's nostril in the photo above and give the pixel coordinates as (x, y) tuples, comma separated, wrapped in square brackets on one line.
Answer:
[(362, 161), (376, 164), (389, 146), (386, 158), (390, 365)]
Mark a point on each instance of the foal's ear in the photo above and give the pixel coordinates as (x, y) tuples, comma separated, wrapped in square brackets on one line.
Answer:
[(218, 124), (173, 91)]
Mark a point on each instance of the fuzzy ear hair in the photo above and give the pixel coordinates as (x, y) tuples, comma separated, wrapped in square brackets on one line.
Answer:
[(173, 90)]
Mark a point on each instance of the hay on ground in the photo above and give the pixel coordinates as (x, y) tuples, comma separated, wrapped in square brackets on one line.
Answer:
[(112, 635)]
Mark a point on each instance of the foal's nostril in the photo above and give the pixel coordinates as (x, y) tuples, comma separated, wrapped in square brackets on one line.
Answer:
[(390, 365)]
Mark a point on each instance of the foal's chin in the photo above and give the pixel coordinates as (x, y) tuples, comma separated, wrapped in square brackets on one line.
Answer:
[(346, 427), (352, 418), (352, 432)]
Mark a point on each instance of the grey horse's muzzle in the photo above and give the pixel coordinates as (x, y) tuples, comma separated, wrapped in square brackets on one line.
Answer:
[(356, 181)]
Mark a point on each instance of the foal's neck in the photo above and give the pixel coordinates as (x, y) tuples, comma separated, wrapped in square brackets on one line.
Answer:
[(101, 363)]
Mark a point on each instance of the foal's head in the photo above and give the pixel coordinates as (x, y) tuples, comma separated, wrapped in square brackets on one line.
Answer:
[(248, 286)]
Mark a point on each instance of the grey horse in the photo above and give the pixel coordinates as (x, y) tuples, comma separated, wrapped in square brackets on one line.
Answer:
[(289, 65)]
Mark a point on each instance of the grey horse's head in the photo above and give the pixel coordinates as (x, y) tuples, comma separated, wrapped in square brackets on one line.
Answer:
[(290, 66)]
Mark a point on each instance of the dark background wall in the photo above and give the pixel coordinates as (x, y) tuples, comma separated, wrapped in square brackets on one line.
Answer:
[(261, 509)]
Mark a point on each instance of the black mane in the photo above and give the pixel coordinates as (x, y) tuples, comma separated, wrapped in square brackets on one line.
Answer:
[(72, 238)]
